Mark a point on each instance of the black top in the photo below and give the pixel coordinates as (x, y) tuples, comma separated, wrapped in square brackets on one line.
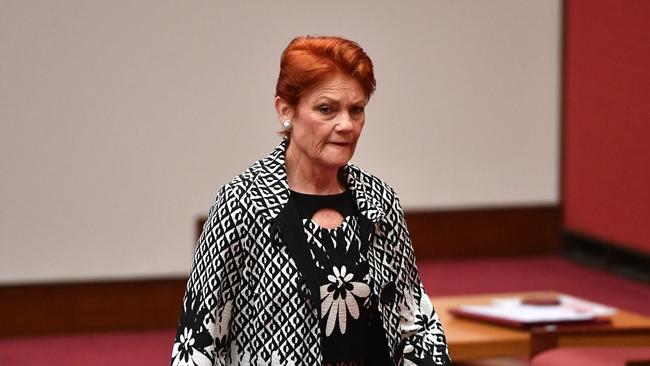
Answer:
[(308, 204), (346, 307)]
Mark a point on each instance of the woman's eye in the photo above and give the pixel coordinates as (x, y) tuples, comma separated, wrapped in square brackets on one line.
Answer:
[(357, 110), (325, 109)]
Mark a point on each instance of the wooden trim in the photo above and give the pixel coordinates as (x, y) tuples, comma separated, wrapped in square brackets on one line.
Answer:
[(553, 337), (66, 308), (485, 232), (61, 308), (480, 232)]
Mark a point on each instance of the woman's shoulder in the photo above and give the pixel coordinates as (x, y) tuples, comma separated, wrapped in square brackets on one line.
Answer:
[(378, 189), (264, 168), (240, 184), (371, 182)]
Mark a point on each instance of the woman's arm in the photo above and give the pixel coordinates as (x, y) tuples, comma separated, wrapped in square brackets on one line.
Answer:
[(423, 338), (202, 335)]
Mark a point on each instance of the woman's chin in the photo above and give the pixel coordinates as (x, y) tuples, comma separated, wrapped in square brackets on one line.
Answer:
[(338, 161), (339, 155)]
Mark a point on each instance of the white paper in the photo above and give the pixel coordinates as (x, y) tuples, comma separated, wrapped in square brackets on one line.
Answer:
[(569, 309)]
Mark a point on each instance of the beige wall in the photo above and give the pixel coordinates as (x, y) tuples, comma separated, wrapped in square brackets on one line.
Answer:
[(120, 119)]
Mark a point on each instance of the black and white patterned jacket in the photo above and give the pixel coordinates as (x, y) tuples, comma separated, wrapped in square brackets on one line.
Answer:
[(245, 304)]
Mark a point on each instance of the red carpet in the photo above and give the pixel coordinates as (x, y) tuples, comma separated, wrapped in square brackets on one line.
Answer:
[(126, 349), (440, 278)]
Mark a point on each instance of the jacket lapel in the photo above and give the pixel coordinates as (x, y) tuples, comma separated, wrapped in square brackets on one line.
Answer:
[(270, 190), (367, 203)]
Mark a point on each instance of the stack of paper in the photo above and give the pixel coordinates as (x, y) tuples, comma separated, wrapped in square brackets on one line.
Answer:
[(513, 312)]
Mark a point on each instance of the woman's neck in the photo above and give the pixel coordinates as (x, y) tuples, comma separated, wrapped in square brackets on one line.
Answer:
[(305, 177)]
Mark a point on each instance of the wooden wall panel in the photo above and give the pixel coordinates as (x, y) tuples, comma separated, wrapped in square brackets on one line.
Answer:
[(60, 308), (485, 232)]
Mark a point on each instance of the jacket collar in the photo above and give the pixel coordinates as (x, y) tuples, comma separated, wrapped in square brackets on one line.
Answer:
[(271, 190)]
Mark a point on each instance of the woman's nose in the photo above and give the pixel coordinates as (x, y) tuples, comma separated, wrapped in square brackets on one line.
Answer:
[(344, 122)]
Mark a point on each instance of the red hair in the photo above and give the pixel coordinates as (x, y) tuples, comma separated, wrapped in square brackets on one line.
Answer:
[(308, 60)]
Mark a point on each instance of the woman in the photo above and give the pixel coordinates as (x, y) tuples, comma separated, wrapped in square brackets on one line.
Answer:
[(305, 259)]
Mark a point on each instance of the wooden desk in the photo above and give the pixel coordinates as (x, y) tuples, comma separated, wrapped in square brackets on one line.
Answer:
[(468, 339)]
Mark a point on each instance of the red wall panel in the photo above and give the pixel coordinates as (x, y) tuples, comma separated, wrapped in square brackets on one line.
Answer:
[(606, 147)]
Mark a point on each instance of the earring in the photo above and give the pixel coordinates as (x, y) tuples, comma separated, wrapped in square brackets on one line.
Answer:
[(287, 125)]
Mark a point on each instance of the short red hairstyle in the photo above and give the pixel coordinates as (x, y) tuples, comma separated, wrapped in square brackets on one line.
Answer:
[(310, 59)]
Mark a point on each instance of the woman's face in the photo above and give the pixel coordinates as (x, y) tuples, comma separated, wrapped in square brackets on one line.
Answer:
[(327, 121)]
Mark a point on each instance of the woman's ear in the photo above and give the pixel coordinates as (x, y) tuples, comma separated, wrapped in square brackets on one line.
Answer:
[(283, 109)]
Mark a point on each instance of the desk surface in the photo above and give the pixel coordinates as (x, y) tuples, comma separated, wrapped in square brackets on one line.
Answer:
[(468, 339)]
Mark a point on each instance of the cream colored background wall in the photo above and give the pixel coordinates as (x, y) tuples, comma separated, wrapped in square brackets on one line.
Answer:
[(121, 119)]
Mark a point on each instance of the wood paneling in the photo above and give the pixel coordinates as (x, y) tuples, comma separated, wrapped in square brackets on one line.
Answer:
[(90, 307), (485, 232), (155, 304), (480, 232)]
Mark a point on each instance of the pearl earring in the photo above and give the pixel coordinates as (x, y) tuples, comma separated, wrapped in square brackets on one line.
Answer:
[(287, 125)]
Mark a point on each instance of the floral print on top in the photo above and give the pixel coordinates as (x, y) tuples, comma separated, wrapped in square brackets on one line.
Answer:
[(339, 258), (339, 299)]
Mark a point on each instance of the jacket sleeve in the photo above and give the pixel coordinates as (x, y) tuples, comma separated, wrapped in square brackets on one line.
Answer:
[(423, 338), (202, 337)]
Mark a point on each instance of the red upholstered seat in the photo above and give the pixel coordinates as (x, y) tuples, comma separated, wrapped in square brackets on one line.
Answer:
[(592, 356)]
